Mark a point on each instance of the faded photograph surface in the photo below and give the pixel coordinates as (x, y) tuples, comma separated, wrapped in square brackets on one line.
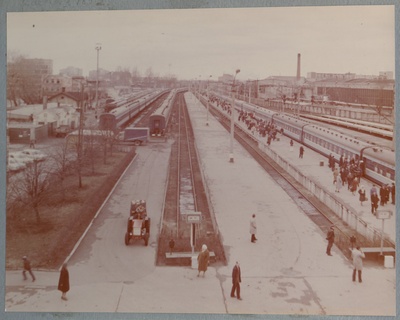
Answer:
[(202, 161)]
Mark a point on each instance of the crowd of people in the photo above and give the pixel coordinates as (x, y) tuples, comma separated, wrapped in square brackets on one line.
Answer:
[(259, 128), (350, 172)]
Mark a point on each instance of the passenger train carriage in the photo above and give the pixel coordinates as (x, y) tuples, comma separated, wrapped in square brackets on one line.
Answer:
[(159, 119), (118, 117), (378, 162)]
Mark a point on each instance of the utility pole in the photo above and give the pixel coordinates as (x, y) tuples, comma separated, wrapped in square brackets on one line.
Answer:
[(80, 138), (233, 117), (98, 48), (208, 98)]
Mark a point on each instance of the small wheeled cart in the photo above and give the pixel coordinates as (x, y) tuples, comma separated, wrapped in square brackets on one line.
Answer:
[(138, 223)]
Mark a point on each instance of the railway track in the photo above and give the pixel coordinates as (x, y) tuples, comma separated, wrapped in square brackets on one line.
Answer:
[(317, 211), (185, 191)]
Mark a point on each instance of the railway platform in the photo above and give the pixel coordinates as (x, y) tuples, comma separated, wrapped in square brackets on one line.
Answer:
[(240, 189), (315, 166)]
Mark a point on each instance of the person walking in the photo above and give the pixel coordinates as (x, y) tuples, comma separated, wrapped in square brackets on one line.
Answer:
[(236, 280), (357, 256), (253, 228), (202, 260), (331, 239), (27, 268), (361, 192), (63, 282), (301, 152)]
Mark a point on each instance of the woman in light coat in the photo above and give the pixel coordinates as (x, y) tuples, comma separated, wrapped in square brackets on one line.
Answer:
[(357, 256), (339, 183)]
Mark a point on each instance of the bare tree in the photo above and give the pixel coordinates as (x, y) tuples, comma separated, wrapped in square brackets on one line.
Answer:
[(62, 164), (32, 188), (20, 85)]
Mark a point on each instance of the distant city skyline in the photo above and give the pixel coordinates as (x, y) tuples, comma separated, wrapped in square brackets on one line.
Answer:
[(196, 43)]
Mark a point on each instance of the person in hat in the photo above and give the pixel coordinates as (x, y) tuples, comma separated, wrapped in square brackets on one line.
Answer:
[(331, 239), (27, 267), (63, 282), (203, 258)]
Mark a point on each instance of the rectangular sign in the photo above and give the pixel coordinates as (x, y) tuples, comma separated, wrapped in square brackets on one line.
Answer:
[(383, 214), (193, 217)]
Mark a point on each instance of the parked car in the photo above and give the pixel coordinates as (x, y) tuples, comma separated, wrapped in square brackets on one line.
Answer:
[(21, 157), (35, 154), (15, 165), (62, 131)]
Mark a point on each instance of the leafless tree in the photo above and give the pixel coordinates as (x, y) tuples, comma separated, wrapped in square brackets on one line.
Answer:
[(61, 164), (19, 81), (32, 188)]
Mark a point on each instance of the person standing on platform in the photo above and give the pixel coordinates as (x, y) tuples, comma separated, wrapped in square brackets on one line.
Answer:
[(374, 202), (393, 193), (354, 186), (361, 192), (301, 152), (382, 195), (335, 174), (357, 256), (331, 239), (236, 280), (343, 175), (253, 228), (202, 260), (373, 190), (63, 282), (27, 268), (339, 183)]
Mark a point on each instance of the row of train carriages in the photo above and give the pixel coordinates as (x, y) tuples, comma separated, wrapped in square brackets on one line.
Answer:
[(378, 162), (119, 114)]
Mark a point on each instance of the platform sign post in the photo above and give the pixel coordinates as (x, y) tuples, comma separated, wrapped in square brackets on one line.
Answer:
[(383, 215), (193, 218)]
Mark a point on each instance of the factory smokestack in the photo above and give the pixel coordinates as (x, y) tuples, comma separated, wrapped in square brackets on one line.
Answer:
[(298, 67)]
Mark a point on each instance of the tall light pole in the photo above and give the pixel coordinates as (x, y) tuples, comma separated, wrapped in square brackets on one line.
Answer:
[(232, 116), (208, 98), (98, 48)]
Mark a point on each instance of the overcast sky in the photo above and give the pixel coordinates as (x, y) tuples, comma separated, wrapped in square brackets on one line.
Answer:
[(190, 43)]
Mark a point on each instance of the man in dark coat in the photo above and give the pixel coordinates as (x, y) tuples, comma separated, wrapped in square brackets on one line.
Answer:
[(301, 152), (236, 279), (393, 192), (374, 202), (331, 239), (63, 282)]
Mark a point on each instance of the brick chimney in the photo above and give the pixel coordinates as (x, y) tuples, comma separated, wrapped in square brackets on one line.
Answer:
[(298, 67)]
